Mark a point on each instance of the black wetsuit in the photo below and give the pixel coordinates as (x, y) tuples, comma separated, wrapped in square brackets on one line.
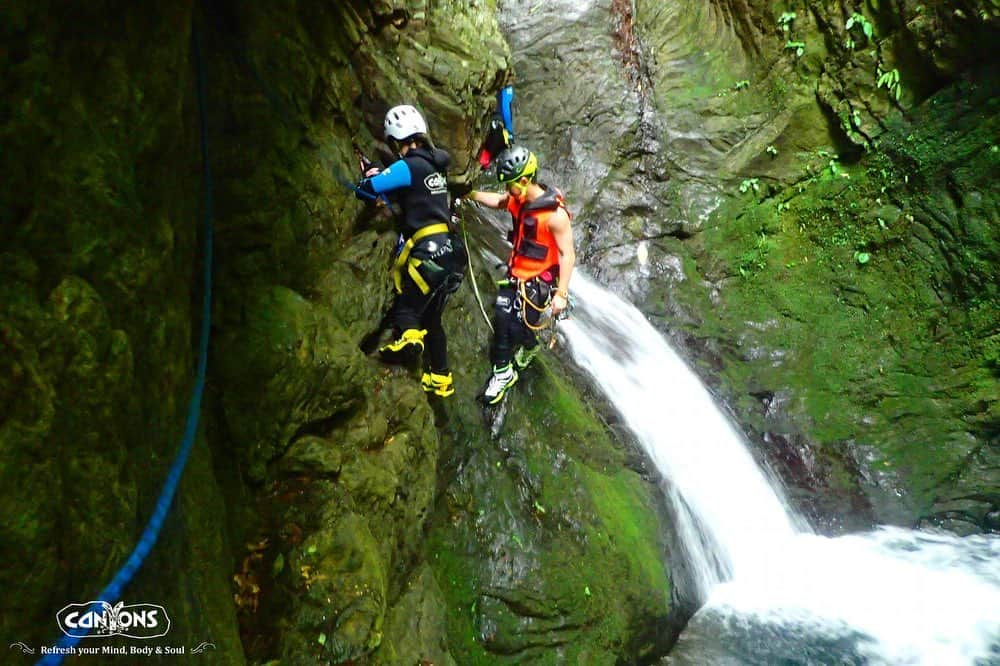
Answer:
[(417, 185)]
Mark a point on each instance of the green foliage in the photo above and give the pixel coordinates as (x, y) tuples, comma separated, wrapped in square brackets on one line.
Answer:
[(785, 21), (799, 48), (771, 150), (888, 284), (991, 351), (741, 85), (859, 21), (754, 260), (749, 184), (889, 80)]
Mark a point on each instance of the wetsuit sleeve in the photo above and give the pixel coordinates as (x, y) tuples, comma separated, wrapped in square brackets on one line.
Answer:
[(394, 176)]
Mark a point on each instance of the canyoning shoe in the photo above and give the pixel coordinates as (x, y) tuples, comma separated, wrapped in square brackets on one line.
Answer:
[(405, 350), (441, 385), (523, 357), (501, 380)]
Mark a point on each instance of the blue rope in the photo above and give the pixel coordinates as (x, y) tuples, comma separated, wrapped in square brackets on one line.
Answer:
[(112, 592)]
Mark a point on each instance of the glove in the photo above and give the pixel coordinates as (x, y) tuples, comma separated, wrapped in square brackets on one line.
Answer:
[(364, 190)]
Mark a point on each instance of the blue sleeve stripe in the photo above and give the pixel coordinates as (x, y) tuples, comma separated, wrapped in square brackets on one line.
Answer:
[(395, 176), (506, 100)]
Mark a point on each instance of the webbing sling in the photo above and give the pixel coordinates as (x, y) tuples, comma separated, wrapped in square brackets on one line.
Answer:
[(404, 258)]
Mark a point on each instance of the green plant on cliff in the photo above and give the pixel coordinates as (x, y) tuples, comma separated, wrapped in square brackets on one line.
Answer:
[(785, 21), (858, 21), (798, 47), (749, 184), (888, 80), (754, 260)]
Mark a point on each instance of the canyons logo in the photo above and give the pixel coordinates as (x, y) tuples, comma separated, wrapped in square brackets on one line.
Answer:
[(436, 183), (99, 619)]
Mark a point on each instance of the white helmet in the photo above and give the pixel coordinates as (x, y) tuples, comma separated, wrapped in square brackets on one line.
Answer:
[(402, 122)]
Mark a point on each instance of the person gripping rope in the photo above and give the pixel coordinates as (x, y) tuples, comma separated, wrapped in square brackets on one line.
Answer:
[(538, 271), (430, 260)]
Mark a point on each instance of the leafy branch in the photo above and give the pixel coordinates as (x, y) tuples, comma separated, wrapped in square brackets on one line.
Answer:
[(858, 20), (800, 47), (890, 81)]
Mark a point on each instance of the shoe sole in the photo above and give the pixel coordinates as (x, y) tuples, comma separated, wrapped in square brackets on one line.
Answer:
[(408, 355), (444, 393)]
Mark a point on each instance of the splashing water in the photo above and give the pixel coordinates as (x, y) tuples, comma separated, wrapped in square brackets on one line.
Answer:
[(773, 587)]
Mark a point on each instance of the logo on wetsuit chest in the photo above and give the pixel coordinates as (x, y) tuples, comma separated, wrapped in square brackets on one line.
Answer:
[(436, 183)]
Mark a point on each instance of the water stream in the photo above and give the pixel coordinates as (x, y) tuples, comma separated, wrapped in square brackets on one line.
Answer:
[(774, 591)]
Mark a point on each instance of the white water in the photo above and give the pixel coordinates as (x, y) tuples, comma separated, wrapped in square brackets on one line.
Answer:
[(917, 597)]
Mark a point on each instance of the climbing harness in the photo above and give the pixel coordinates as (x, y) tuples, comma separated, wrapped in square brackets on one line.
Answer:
[(412, 265), (544, 322), (113, 590)]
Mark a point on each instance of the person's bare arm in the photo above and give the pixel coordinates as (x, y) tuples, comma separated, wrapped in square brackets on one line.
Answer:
[(562, 231), (491, 199)]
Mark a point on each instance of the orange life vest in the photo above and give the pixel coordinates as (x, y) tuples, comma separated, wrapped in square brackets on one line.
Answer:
[(535, 248)]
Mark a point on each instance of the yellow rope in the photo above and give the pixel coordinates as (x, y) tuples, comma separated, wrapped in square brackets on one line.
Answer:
[(472, 274), (525, 299)]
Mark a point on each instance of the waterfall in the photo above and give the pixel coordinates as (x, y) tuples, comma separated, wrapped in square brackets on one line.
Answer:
[(774, 588)]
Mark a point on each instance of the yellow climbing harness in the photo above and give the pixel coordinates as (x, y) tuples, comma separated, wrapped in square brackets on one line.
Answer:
[(413, 264)]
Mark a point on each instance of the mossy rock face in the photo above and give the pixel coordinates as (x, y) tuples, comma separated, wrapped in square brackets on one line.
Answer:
[(98, 278), (545, 547), (416, 626), (290, 358), (545, 543), (344, 513), (883, 361), (838, 298), (337, 455)]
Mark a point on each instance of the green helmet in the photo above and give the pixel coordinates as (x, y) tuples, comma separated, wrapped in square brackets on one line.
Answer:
[(516, 162)]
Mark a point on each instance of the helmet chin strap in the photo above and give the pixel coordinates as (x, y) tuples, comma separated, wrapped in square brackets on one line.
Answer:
[(517, 188), (401, 147)]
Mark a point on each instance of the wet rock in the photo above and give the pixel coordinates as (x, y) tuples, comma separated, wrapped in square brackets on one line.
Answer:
[(341, 579), (850, 338), (547, 542), (291, 358), (415, 626), (312, 455), (99, 290)]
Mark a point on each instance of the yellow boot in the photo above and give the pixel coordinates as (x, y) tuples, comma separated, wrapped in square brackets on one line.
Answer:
[(406, 350), (441, 385)]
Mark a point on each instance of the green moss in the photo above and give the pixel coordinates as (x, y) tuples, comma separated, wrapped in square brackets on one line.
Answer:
[(545, 549), (894, 352), (622, 502)]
